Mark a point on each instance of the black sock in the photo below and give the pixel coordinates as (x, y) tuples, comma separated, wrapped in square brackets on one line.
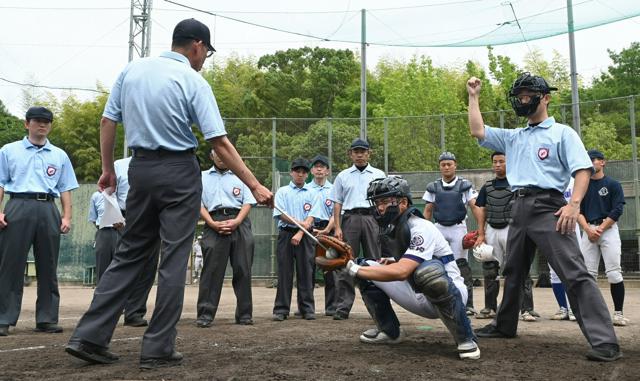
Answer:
[(617, 293)]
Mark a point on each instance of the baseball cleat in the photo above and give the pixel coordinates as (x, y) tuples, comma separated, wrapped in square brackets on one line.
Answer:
[(469, 350), (486, 313), (619, 320), (527, 316), (381, 338), (562, 314)]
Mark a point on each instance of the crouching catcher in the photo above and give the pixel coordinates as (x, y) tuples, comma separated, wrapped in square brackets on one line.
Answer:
[(422, 276)]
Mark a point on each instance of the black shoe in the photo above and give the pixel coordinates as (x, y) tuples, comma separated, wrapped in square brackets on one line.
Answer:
[(4, 330), (329, 313), (136, 321), (309, 316), (279, 317), (297, 313), (244, 322), (604, 352), (153, 363), (340, 316), (204, 323), (47, 328), (91, 353), (490, 331)]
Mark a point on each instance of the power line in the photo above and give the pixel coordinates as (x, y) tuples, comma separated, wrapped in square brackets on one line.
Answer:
[(53, 87)]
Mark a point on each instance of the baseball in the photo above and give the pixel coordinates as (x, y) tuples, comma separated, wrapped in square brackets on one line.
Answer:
[(331, 254)]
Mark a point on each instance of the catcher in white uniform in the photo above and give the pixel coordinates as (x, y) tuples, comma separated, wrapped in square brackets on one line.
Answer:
[(422, 276)]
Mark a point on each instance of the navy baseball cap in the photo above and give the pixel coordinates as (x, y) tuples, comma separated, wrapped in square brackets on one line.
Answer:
[(40, 113), (195, 30), (446, 156), (595, 154), (359, 143), (300, 163), (320, 159)]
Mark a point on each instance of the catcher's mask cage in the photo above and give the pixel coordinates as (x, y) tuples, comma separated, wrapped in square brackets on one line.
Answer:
[(392, 186), (533, 83)]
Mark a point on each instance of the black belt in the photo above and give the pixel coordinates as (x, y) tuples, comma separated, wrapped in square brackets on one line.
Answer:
[(34, 196), (449, 223), (534, 191), (289, 229), (225, 212), (596, 222), (141, 152), (498, 226), (360, 211), (321, 224)]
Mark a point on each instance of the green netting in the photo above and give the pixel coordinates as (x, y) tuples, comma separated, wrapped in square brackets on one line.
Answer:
[(454, 23)]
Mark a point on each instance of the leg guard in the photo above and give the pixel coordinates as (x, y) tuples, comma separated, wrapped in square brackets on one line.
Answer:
[(465, 271), (432, 280), (379, 306), (491, 284)]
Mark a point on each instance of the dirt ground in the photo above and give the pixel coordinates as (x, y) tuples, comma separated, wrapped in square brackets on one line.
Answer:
[(323, 349)]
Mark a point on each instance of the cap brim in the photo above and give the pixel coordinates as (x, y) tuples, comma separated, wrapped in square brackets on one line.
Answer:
[(211, 48), (363, 147)]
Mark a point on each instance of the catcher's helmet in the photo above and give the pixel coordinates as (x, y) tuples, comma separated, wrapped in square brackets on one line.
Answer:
[(530, 82), (392, 186)]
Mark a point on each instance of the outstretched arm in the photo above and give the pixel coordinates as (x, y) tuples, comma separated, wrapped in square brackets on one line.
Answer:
[(476, 124)]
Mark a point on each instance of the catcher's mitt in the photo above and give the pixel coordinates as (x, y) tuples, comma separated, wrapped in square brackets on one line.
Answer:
[(469, 239), (336, 257)]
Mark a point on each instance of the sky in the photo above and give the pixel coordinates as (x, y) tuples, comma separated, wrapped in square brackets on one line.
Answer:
[(80, 43)]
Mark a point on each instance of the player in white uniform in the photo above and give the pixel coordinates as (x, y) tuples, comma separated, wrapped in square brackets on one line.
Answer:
[(197, 253), (422, 276), (446, 201)]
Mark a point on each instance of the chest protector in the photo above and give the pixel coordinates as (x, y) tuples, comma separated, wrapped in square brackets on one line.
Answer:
[(448, 208), (397, 237), (498, 205)]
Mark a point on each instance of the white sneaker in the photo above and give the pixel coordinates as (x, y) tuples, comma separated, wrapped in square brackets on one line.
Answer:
[(562, 314), (572, 317), (486, 313), (619, 320), (381, 338), (469, 350), (371, 332), (527, 316)]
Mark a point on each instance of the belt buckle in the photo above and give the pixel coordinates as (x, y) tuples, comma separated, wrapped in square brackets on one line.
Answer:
[(41, 196), (224, 211)]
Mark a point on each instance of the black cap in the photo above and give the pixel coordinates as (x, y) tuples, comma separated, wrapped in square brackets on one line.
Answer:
[(195, 30), (300, 163), (595, 154), (359, 143), (39, 112), (446, 156), (320, 159)]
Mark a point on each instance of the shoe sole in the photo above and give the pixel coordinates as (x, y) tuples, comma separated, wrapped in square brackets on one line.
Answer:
[(595, 357), (160, 364), (473, 354), (88, 357), (136, 324), (48, 331), (366, 340)]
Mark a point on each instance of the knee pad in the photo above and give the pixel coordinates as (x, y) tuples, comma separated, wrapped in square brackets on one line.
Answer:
[(491, 269), (465, 269), (614, 276), (431, 279)]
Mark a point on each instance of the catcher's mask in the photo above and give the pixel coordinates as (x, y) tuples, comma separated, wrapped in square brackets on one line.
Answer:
[(533, 83), (392, 186)]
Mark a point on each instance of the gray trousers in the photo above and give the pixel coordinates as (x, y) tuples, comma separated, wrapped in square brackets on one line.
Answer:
[(37, 223), (217, 250), (106, 243), (303, 256), (534, 224), (163, 204), (358, 231)]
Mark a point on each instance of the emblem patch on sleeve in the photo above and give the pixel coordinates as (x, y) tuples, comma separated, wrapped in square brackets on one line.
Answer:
[(236, 191)]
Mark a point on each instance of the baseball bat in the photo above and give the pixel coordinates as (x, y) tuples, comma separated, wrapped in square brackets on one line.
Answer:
[(314, 239)]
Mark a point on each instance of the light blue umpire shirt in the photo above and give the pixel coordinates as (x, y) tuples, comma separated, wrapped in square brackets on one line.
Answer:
[(350, 187), (122, 181), (224, 190), (297, 202), (25, 168), (158, 99), (544, 156), (96, 208), (322, 208)]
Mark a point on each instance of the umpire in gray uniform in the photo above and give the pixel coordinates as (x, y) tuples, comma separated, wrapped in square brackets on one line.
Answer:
[(157, 99), (227, 236), (33, 172), (542, 157)]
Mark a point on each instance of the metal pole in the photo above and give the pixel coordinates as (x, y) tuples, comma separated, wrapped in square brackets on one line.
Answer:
[(634, 157), (363, 77), (575, 99), (386, 145), (501, 119), (274, 186), (442, 139), (330, 143)]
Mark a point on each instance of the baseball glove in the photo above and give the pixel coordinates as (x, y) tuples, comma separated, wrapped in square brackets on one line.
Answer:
[(337, 255), (469, 239)]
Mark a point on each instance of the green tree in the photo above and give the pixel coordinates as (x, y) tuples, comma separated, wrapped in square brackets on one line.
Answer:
[(11, 128)]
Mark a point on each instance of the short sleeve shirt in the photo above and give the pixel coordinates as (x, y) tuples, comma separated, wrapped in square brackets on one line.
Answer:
[(350, 186), (224, 190)]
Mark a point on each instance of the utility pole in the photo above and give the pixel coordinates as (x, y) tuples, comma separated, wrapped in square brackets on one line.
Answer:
[(575, 98), (363, 76), (139, 35)]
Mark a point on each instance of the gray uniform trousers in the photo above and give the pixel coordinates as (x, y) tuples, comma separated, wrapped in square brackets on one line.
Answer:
[(217, 250), (534, 224), (357, 230), (106, 243), (29, 222), (163, 204), (304, 257)]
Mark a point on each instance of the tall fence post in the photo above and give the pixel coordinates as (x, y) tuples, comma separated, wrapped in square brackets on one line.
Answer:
[(563, 112), (386, 145), (442, 139), (330, 142), (274, 186), (501, 115), (634, 157)]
